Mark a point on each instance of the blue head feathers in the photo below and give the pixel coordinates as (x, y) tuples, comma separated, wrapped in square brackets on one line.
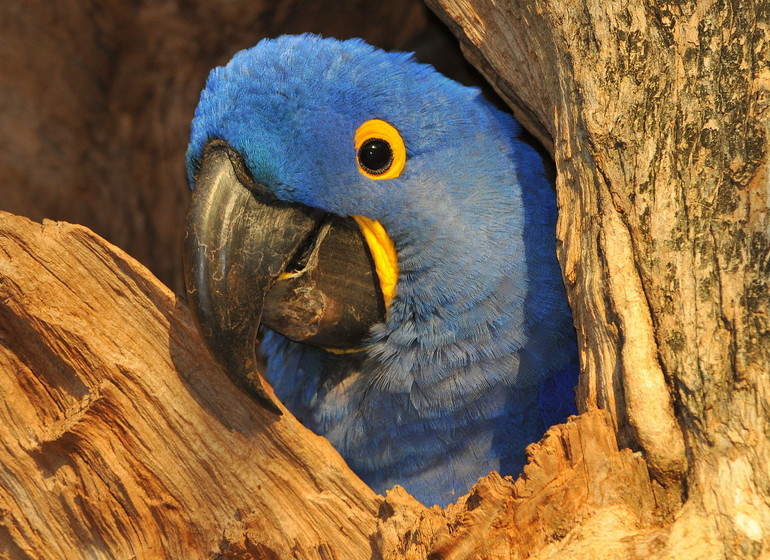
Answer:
[(449, 386)]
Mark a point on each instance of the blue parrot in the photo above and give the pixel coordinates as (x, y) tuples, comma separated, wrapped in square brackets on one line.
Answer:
[(376, 241)]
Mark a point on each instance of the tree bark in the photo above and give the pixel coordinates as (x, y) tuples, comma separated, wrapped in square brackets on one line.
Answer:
[(656, 114), (122, 438)]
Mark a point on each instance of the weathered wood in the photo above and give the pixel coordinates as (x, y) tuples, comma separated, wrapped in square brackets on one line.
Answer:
[(577, 484), (122, 438), (657, 118)]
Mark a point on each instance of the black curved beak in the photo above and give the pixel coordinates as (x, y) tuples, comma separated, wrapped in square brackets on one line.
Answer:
[(253, 260)]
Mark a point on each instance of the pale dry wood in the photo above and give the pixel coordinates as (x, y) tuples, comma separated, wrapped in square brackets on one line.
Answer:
[(120, 436), (576, 480), (656, 114), (122, 439)]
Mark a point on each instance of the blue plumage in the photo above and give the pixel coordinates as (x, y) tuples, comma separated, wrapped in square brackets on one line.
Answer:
[(451, 385)]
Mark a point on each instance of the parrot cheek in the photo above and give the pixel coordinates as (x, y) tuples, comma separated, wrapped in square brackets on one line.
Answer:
[(252, 260)]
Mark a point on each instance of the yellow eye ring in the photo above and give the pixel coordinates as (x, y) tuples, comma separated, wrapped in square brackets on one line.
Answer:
[(380, 150)]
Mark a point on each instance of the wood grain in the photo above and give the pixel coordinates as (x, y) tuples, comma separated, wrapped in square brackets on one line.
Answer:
[(121, 438), (656, 115)]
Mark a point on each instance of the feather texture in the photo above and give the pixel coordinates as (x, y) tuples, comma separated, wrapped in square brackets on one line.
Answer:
[(478, 350)]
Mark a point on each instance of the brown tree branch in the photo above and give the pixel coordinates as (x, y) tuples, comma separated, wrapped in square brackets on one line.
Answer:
[(656, 114), (122, 438)]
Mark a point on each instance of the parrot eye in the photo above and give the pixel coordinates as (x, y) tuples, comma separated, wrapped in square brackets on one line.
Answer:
[(375, 156), (380, 150)]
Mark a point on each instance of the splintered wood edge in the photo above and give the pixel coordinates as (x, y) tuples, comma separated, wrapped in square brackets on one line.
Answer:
[(149, 444), (126, 436)]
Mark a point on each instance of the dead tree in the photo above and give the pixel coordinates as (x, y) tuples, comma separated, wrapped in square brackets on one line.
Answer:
[(121, 438), (657, 118)]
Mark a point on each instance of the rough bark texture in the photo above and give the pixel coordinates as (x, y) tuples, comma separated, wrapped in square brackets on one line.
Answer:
[(121, 438), (656, 114)]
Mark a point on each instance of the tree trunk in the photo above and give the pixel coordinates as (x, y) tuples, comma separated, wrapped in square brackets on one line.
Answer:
[(121, 438), (656, 114)]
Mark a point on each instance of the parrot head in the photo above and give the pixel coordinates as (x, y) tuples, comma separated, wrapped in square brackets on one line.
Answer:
[(377, 234)]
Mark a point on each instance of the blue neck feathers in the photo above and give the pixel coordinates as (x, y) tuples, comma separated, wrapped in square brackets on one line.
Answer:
[(455, 370)]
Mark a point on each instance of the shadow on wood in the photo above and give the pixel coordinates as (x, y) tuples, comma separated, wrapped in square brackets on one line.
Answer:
[(656, 115), (122, 438)]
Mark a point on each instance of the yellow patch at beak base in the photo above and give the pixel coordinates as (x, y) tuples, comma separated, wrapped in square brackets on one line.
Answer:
[(383, 253)]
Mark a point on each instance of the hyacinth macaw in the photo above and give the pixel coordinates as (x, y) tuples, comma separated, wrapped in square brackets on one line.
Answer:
[(374, 240)]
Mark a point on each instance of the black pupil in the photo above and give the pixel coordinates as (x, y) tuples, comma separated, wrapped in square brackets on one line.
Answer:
[(375, 156)]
